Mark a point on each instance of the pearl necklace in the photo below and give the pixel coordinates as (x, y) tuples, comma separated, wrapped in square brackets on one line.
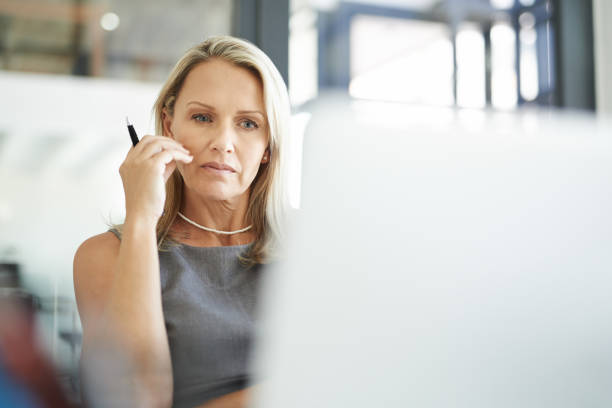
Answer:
[(212, 229)]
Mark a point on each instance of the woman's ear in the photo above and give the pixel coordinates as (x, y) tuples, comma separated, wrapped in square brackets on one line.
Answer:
[(266, 156), (167, 123)]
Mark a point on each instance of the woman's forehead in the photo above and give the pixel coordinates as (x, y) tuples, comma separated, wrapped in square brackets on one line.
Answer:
[(221, 84)]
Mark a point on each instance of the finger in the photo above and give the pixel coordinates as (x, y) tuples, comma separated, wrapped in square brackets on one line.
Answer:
[(144, 142), (149, 140), (153, 148), (166, 156), (167, 141)]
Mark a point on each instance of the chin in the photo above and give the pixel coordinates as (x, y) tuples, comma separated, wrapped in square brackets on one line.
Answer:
[(215, 191)]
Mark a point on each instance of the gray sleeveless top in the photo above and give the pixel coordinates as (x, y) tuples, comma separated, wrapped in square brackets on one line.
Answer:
[(209, 301)]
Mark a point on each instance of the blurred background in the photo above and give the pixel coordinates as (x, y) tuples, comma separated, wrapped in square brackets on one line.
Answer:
[(71, 70)]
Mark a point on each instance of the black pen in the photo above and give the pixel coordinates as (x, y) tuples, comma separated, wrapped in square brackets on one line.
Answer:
[(133, 135)]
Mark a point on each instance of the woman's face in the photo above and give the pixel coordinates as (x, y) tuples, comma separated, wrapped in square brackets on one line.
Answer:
[(219, 116)]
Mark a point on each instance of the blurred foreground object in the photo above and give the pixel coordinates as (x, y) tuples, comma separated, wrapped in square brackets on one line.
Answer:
[(445, 258), (27, 377)]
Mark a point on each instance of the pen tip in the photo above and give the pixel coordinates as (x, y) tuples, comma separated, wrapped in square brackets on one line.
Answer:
[(127, 120)]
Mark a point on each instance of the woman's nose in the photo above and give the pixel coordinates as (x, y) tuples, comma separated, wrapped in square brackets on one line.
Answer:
[(224, 140)]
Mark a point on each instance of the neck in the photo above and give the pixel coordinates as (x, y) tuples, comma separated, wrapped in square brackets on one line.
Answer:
[(218, 215), (205, 228)]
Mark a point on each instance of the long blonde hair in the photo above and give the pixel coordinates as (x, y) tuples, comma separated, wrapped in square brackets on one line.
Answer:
[(268, 198)]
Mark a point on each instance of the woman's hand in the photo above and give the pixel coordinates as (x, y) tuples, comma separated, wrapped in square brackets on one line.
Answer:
[(144, 173)]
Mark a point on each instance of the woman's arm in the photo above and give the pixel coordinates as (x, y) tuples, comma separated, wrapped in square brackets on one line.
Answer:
[(118, 290), (119, 298)]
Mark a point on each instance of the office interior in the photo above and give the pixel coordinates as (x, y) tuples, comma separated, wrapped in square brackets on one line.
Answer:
[(72, 70)]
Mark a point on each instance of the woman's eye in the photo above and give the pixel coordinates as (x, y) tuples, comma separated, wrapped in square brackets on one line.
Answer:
[(248, 124), (198, 117)]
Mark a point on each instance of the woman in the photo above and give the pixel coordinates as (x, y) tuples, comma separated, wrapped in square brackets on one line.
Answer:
[(174, 287)]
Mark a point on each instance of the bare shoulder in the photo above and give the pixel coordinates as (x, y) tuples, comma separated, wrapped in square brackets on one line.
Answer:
[(99, 245), (93, 266)]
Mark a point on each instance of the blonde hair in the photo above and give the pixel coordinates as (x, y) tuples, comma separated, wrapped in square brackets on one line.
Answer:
[(268, 200)]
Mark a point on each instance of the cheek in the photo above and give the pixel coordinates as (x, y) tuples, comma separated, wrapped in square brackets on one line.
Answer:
[(253, 167), (182, 132), (253, 162), (174, 129)]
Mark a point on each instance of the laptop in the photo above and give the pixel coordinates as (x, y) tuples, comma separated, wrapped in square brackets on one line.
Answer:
[(444, 258)]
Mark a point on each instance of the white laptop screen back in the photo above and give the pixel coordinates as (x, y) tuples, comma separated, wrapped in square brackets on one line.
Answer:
[(439, 263)]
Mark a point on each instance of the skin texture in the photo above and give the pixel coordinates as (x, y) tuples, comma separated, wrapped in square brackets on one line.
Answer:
[(116, 282)]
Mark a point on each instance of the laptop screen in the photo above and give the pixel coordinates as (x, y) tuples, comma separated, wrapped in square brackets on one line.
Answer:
[(444, 258)]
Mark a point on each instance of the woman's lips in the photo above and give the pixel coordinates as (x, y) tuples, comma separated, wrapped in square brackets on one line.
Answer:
[(218, 168)]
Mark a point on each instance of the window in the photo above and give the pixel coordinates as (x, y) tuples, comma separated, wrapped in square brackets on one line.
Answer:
[(401, 60)]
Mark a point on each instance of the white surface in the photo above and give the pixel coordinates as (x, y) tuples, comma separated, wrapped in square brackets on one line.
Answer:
[(445, 262)]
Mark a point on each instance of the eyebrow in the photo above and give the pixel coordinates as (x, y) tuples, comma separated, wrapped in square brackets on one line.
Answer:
[(240, 112)]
